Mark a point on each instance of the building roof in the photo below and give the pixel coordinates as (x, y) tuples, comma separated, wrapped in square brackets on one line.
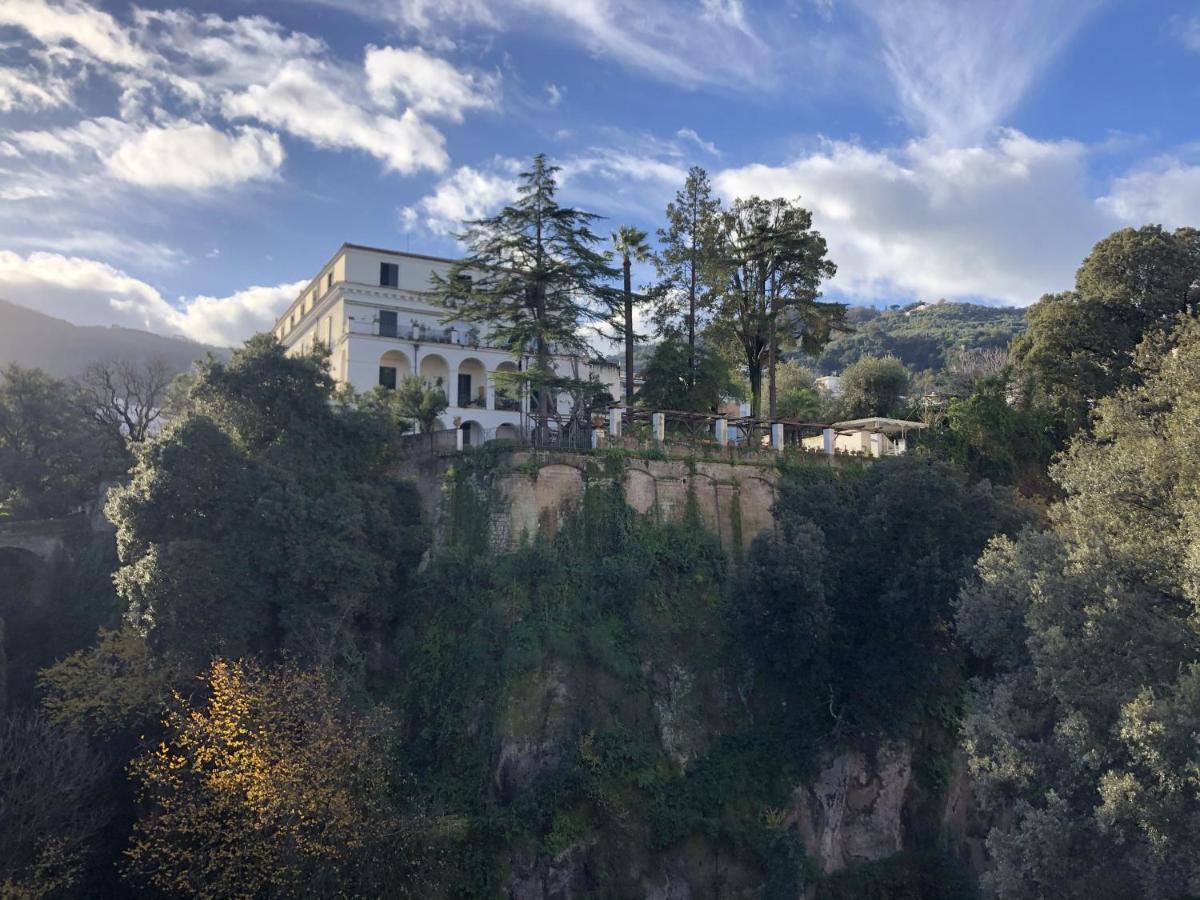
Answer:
[(878, 423)]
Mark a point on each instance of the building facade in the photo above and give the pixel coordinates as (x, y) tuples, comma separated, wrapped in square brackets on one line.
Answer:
[(370, 307)]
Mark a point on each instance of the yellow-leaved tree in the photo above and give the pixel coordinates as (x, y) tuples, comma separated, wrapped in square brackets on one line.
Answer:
[(272, 785)]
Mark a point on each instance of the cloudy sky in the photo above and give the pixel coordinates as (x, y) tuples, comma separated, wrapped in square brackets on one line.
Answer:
[(184, 169)]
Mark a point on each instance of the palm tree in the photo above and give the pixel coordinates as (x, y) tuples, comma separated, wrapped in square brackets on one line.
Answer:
[(629, 243)]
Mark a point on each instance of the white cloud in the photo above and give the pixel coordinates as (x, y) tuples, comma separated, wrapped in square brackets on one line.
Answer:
[(196, 156), (1008, 220), (689, 134), (554, 94), (1188, 31), (959, 68), (1165, 191), (680, 41), (88, 292), (469, 193), (226, 321), (74, 24), (30, 91), (428, 84), (299, 102)]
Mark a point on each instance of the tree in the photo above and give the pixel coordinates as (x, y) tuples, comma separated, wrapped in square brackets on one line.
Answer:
[(264, 518), (1080, 345), (665, 379), (797, 392), (53, 454), (272, 785), (53, 808), (686, 260), (126, 396), (852, 597), (532, 277), (414, 402), (873, 386), (772, 264), (629, 244), (1084, 718)]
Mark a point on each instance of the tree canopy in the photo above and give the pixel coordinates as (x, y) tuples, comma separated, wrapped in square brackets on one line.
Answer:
[(1080, 345), (534, 278), (1085, 715)]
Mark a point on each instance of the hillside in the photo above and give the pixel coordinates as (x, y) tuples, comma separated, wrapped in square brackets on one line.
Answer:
[(32, 339), (922, 336)]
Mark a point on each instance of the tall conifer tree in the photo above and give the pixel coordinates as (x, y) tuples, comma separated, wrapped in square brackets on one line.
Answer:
[(685, 261), (533, 278)]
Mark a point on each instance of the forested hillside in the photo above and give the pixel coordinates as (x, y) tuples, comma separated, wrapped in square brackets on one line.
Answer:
[(922, 336)]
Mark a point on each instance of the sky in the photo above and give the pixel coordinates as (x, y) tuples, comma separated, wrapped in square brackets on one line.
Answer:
[(186, 169)]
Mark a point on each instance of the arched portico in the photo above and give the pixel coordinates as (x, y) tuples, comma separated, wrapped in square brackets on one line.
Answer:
[(472, 433), (506, 392), (435, 371), (393, 367), (472, 384), (507, 432)]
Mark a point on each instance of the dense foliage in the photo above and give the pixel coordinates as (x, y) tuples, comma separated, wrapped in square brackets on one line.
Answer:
[(1080, 345), (262, 519), (922, 337), (1085, 716)]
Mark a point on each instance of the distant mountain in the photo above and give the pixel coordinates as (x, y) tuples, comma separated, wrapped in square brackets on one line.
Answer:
[(35, 340), (921, 335)]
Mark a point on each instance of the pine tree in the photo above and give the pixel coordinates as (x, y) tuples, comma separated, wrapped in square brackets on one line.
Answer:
[(533, 278), (772, 263), (685, 262)]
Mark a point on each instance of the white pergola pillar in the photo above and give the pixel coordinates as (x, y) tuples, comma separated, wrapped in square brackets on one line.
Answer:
[(777, 436), (459, 434), (615, 414), (658, 426), (828, 441), (876, 444), (721, 431)]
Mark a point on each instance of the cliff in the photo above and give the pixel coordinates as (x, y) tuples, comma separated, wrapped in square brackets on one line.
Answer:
[(577, 700)]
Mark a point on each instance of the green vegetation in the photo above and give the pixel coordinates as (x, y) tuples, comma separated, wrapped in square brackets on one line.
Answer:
[(1085, 714), (299, 689), (924, 338)]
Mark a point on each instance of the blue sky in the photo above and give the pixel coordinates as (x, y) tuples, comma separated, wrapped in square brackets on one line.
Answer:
[(182, 169)]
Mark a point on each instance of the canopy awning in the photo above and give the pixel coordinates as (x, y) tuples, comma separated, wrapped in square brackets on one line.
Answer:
[(878, 424)]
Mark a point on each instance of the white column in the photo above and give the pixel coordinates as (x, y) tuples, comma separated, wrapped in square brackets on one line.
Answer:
[(458, 437), (658, 426), (876, 444), (489, 389), (721, 431), (828, 441), (615, 415), (777, 436)]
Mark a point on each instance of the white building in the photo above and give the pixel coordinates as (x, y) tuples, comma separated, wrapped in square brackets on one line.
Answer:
[(370, 308)]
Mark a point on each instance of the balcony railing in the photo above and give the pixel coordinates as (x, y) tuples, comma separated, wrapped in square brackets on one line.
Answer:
[(422, 334)]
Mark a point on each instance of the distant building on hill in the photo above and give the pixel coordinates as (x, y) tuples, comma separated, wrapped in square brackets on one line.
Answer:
[(370, 308), (831, 383)]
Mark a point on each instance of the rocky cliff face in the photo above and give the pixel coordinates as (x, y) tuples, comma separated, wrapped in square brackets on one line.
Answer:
[(626, 750)]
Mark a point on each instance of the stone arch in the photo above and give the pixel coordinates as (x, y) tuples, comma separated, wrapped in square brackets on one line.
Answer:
[(641, 490), (507, 432), (435, 371), (394, 359), (507, 394), (470, 388), (473, 433)]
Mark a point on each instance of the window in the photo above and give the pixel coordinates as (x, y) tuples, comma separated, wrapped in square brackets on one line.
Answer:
[(464, 390), (387, 323), (387, 377), (389, 275), (329, 281)]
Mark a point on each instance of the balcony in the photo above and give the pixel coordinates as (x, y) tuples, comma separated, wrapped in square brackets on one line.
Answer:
[(507, 404), (421, 333)]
